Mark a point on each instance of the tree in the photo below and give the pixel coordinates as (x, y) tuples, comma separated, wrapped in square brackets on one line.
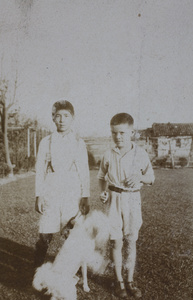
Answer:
[(5, 105)]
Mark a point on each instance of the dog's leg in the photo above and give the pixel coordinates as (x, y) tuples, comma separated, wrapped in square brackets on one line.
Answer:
[(84, 276)]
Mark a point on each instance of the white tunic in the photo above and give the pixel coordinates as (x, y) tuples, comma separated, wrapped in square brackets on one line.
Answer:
[(62, 189)]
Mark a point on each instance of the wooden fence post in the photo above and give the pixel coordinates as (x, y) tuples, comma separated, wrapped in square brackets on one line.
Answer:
[(28, 142), (171, 154), (35, 145), (28, 147)]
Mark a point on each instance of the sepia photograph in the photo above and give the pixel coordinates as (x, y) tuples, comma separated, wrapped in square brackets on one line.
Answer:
[(96, 149)]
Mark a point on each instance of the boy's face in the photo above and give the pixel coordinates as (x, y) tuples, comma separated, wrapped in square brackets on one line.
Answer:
[(63, 120), (122, 134)]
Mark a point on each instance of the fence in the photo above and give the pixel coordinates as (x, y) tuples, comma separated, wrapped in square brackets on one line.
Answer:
[(23, 145)]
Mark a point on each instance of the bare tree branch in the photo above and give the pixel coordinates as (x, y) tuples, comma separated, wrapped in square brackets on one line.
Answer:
[(9, 105), (15, 87)]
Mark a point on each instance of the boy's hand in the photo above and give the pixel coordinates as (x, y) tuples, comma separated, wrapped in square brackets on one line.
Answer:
[(66, 229), (84, 205), (104, 197), (134, 181), (39, 205)]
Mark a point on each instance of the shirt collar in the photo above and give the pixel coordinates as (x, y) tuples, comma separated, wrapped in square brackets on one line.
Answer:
[(61, 136), (116, 149)]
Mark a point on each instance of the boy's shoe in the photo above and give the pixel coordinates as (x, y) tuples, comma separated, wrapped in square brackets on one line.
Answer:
[(119, 291), (133, 290)]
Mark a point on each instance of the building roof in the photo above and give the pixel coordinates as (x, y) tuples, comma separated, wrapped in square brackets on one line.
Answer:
[(172, 129), (145, 132)]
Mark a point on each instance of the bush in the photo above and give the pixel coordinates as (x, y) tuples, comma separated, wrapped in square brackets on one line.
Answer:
[(4, 169), (160, 162), (91, 160), (98, 163), (183, 161)]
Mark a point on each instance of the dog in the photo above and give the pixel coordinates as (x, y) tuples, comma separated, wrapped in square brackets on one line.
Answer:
[(85, 246)]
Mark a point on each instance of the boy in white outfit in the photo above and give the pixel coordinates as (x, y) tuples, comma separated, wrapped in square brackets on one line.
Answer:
[(62, 178), (123, 170)]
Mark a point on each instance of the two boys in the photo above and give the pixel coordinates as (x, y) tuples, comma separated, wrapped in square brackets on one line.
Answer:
[(124, 169)]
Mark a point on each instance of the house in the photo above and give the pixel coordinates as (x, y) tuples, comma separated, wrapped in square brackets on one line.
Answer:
[(172, 139)]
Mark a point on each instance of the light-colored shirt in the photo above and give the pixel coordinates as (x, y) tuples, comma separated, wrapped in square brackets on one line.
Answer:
[(116, 168), (68, 153)]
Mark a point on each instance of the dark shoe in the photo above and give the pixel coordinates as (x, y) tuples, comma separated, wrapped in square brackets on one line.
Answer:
[(133, 290), (119, 291)]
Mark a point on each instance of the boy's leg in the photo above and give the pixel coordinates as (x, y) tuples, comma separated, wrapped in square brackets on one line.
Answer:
[(130, 266), (130, 258), (41, 248), (117, 258)]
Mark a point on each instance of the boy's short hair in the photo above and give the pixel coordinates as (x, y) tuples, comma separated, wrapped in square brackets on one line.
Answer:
[(122, 118), (62, 104)]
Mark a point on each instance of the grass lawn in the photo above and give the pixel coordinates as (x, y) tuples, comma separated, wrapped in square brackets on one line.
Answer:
[(164, 267)]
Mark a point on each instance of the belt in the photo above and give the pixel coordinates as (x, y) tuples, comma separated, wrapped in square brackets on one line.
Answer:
[(120, 190)]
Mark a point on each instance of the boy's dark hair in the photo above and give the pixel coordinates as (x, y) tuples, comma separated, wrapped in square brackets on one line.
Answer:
[(62, 104), (122, 118)]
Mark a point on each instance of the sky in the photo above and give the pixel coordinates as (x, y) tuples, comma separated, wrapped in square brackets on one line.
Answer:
[(104, 56)]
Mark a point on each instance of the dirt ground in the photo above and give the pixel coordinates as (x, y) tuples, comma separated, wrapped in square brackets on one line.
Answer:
[(164, 249)]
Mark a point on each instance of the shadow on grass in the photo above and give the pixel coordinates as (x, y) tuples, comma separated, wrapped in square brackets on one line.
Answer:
[(16, 262)]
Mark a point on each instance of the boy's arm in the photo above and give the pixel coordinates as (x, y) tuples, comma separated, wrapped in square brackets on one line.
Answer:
[(102, 182), (83, 169), (146, 176), (40, 169), (84, 175), (102, 185)]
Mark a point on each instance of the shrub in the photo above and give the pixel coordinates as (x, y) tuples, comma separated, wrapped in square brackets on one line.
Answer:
[(4, 169), (160, 162), (98, 163), (183, 161), (91, 160)]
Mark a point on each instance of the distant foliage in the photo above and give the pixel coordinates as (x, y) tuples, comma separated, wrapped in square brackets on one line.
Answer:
[(98, 163), (183, 161), (160, 162), (91, 160), (18, 150), (4, 169)]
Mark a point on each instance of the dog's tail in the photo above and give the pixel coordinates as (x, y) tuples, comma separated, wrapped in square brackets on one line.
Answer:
[(101, 228), (98, 227)]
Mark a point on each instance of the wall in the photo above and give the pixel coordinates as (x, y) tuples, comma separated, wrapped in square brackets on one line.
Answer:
[(180, 146)]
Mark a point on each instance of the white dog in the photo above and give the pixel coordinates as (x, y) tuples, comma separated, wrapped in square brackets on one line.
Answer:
[(85, 246)]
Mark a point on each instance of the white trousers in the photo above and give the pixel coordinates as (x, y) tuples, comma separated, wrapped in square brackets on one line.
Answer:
[(61, 195)]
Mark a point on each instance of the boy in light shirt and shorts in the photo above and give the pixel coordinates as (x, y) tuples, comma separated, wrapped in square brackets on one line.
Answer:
[(62, 178), (123, 171)]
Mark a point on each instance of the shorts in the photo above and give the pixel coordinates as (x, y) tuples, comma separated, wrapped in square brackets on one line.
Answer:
[(61, 198), (125, 215)]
